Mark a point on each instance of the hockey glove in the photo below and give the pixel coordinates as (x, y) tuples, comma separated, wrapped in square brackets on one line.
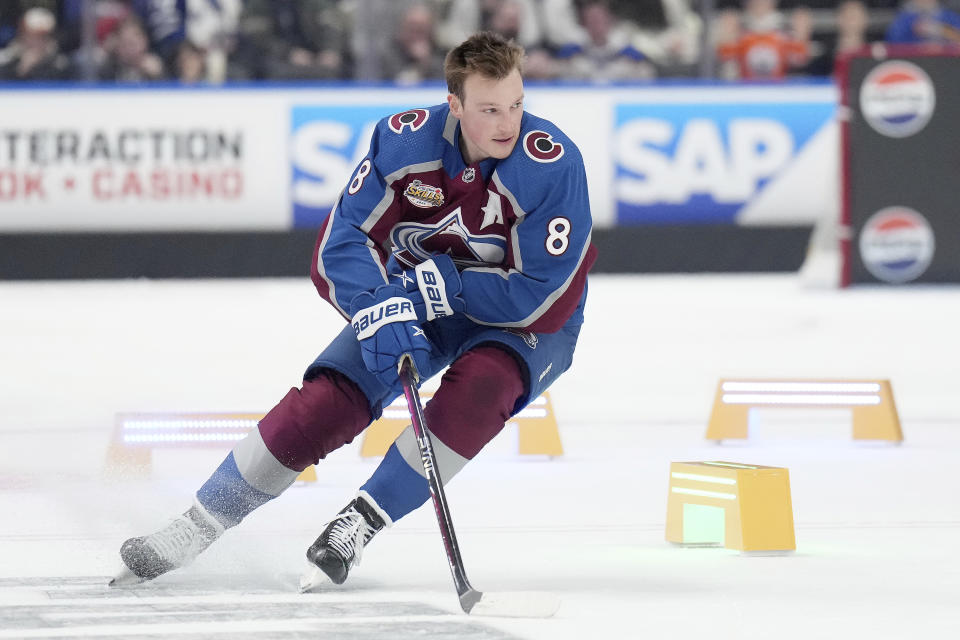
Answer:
[(434, 288), (386, 326)]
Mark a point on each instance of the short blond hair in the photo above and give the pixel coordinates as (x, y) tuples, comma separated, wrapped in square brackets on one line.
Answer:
[(486, 53)]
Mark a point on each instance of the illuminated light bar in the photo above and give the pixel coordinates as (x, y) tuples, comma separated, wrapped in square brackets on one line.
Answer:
[(189, 424), (802, 387), (702, 478), (182, 437), (731, 465), (537, 431), (704, 494), (136, 435), (527, 412), (397, 410), (871, 403), (791, 398)]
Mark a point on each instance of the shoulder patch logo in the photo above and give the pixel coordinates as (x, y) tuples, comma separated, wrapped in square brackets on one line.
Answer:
[(414, 119), (424, 195), (540, 146)]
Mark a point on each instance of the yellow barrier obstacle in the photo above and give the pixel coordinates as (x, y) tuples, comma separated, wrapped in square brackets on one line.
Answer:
[(536, 428), (874, 411), (136, 435), (737, 506)]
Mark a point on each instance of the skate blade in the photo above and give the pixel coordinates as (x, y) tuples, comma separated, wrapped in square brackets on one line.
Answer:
[(312, 578), (125, 578)]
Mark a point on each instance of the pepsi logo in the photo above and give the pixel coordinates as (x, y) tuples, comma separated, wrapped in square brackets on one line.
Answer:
[(896, 244), (897, 99)]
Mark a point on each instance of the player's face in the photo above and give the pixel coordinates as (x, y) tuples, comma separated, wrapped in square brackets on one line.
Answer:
[(489, 115)]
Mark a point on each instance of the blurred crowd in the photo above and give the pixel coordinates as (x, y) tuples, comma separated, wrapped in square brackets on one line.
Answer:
[(403, 41)]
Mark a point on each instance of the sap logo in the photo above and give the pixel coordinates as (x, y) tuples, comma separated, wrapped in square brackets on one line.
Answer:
[(323, 154), (659, 164)]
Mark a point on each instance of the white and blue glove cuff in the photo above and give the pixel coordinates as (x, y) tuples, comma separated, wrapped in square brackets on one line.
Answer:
[(433, 289)]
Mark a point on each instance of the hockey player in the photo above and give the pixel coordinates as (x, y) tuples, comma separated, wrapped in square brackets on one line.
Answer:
[(462, 239)]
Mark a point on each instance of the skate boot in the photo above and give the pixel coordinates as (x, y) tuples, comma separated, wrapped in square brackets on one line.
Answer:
[(174, 546), (341, 544)]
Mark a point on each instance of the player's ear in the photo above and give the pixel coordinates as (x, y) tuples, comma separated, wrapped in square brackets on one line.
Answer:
[(456, 107)]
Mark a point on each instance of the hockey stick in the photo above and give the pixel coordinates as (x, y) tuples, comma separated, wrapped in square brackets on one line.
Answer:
[(516, 604)]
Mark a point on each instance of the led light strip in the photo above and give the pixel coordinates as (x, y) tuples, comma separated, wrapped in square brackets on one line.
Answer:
[(730, 464), (400, 412), (182, 437), (702, 478), (759, 398), (189, 424), (802, 387), (705, 494)]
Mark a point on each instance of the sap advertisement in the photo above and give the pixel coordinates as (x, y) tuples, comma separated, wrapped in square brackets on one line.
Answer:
[(753, 161), (275, 159), (692, 155)]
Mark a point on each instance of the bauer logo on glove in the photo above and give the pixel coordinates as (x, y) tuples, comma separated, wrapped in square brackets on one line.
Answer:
[(369, 320)]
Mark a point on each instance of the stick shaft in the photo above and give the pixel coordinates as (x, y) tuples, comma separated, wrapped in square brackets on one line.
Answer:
[(468, 595)]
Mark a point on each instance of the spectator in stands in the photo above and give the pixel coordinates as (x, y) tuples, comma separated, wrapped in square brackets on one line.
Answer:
[(34, 54), (165, 24), (759, 43), (519, 19), (293, 40), (851, 21), (668, 33), (925, 21), (211, 35), (9, 19), (191, 65), (415, 56), (608, 55), (561, 26), (128, 55)]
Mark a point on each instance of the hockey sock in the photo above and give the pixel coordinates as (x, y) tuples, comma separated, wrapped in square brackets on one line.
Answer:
[(249, 477), (395, 486)]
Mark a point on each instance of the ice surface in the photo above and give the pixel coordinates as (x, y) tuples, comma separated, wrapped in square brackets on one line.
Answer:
[(877, 526)]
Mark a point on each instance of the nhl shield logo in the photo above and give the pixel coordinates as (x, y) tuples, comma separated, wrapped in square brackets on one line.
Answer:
[(469, 174)]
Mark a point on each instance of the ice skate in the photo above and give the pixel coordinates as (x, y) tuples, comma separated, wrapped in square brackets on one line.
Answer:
[(174, 546), (341, 544)]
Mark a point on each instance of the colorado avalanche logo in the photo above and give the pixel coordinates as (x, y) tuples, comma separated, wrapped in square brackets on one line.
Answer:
[(414, 243), (540, 146), (897, 99), (414, 119)]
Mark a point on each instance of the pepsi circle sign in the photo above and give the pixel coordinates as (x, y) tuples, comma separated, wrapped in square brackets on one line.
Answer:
[(896, 244), (897, 98)]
